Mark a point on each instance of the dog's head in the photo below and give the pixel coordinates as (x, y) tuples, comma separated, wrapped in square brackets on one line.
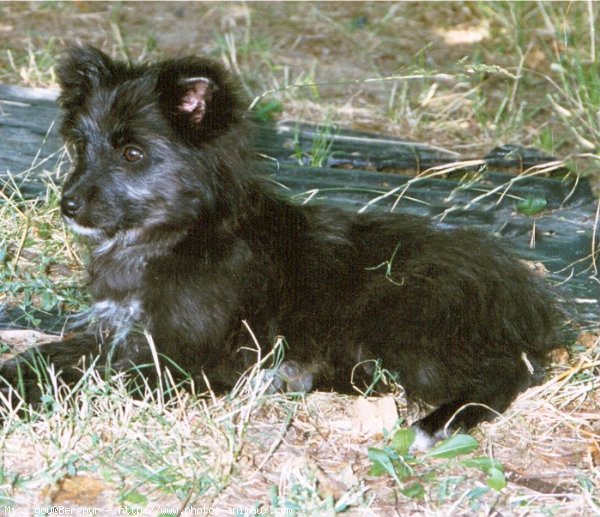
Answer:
[(153, 144)]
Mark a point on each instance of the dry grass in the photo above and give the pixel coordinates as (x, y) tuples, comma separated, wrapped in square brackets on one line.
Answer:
[(100, 448), (457, 75)]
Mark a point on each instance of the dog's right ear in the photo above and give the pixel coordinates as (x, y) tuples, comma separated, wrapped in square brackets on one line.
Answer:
[(80, 70)]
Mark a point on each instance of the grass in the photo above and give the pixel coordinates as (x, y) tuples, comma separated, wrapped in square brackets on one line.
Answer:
[(105, 433), (152, 452), (40, 266), (33, 66), (321, 146), (381, 67)]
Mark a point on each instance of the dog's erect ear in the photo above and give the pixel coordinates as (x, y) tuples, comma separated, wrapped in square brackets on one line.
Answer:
[(81, 69), (199, 97)]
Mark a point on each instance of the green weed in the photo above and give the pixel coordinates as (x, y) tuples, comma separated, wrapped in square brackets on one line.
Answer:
[(320, 146), (416, 475)]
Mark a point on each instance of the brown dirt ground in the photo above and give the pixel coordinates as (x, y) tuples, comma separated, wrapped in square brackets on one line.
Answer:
[(331, 43)]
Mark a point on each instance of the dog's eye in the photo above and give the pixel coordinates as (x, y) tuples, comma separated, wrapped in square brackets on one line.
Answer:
[(132, 153)]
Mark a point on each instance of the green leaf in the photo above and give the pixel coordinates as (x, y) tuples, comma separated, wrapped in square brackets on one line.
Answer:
[(416, 491), (402, 469), (382, 463), (402, 440), (377, 469), (483, 463), (48, 300), (496, 479), (531, 205), (454, 446)]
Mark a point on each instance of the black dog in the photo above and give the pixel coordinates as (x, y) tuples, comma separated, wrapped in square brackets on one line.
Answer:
[(189, 242)]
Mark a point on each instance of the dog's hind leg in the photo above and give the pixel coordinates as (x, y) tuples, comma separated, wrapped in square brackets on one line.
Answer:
[(486, 397)]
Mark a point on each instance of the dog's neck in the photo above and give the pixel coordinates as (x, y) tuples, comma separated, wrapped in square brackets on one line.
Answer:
[(125, 257)]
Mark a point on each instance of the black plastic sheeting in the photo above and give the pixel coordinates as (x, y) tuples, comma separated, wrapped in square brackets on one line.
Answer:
[(361, 171)]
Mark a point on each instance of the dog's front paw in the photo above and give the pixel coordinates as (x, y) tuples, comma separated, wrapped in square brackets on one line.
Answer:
[(297, 378), (290, 377)]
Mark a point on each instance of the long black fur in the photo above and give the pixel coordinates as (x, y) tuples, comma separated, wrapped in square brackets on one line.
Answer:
[(188, 241)]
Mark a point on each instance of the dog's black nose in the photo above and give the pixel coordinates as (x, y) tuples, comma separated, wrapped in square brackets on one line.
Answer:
[(71, 206)]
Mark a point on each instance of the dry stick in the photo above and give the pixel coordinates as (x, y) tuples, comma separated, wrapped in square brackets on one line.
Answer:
[(535, 171), (565, 114), (440, 170), (571, 275), (554, 84), (40, 163), (237, 391), (39, 150), (547, 20), (578, 428), (579, 112)]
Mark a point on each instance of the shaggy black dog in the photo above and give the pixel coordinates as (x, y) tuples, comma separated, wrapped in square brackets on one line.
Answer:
[(189, 242)]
